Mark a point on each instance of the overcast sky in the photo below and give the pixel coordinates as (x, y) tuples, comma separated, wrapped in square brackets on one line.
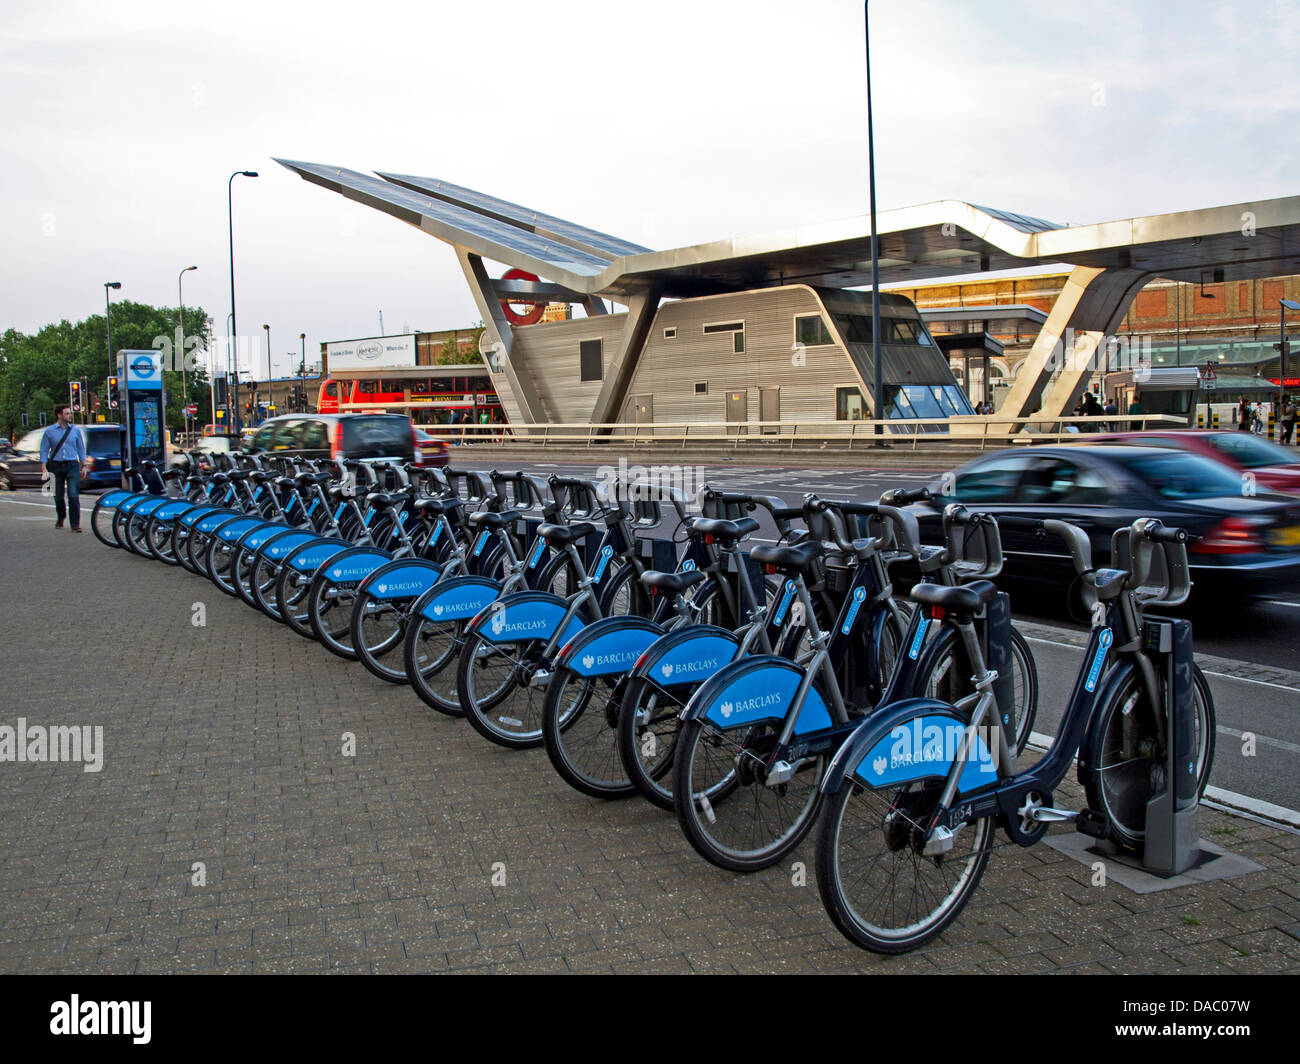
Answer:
[(668, 124)]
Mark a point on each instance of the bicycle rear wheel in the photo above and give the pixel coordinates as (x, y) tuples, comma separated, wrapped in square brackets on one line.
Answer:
[(431, 653), (732, 817), (877, 886), (378, 632)]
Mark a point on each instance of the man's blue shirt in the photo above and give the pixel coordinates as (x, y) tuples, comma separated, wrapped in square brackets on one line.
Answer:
[(74, 450)]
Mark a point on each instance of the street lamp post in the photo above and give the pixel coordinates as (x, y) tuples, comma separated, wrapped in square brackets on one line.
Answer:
[(230, 216), (108, 322), (878, 383), (180, 315), (302, 369), (1283, 306), (269, 392)]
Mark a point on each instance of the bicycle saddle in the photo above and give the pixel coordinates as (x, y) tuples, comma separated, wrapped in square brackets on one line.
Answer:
[(565, 534), (439, 506), (965, 599), (492, 519), (381, 500), (672, 583), (795, 559), (724, 530)]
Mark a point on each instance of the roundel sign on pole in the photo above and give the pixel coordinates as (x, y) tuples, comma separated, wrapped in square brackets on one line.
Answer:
[(535, 308)]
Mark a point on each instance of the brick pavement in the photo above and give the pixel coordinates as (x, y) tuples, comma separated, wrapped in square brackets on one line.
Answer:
[(223, 745)]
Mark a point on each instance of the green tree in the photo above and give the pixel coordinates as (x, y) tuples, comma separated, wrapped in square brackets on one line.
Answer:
[(58, 353), (450, 354)]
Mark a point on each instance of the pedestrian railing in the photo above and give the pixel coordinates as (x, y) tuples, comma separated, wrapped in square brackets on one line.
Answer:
[(914, 432)]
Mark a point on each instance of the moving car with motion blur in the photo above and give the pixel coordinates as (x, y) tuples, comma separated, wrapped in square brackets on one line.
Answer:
[(1273, 467), (1249, 545)]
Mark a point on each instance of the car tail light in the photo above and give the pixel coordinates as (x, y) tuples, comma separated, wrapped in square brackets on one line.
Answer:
[(1232, 535)]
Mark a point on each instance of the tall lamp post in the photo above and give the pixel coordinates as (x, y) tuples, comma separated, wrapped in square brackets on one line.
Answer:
[(879, 383), (108, 320), (302, 370), (230, 215), (270, 395), (1283, 306), (180, 315)]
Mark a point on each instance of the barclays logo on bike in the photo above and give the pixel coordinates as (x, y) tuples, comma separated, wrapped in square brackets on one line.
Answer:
[(705, 667), (1103, 644), (749, 705)]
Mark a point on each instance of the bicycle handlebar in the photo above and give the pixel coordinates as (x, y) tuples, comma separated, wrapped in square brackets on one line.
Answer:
[(956, 555)]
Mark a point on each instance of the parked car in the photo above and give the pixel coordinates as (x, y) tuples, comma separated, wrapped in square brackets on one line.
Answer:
[(430, 453), (208, 444), (1250, 544), (103, 449), (1273, 467), (334, 436)]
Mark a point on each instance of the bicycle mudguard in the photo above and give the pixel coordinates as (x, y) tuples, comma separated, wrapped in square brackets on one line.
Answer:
[(609, 646), (755, 689), (172, 510), (401, 578), (192, 516), (254, 538), (303, 551), (457, 599), (144, 509), (210, 522), (914, 739), (111, 500), (129, 505), (524, 615), (352, 565), (234, 530), (686, 655)]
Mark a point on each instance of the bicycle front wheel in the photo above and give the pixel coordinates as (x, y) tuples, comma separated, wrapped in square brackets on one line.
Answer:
[(1129, 758), (878, 887), (496, 695), (378, 631), (579, 729), (729, 812)]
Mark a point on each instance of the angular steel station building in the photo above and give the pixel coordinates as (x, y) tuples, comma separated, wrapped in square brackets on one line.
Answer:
[(775, 327)]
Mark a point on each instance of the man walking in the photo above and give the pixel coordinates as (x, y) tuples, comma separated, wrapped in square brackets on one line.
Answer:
[(63, 454)]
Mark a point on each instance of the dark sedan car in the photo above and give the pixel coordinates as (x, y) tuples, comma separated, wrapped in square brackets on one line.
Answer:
[(1250, 543), (103, 450)]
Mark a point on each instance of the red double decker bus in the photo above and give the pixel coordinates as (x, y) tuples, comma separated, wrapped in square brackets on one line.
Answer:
[(428, 393)]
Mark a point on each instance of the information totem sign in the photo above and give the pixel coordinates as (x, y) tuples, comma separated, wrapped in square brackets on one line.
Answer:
[(143, 407)]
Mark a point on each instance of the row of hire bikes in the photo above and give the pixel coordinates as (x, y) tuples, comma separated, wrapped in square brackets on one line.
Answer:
[(750, 689)]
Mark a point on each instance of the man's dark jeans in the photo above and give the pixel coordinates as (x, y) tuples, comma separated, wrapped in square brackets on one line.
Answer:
[(69, 474)]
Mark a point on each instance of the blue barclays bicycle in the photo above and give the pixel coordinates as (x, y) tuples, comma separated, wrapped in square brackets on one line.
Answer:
[(916, 792)]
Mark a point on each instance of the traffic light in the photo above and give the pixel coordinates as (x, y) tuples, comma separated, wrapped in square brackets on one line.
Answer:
[(114, 399), (74, 396)]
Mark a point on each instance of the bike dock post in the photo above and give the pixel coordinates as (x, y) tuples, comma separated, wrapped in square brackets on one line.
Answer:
[(1171, 832)]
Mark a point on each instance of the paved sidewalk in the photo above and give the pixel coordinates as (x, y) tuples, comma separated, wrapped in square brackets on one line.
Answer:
[(223, 745)]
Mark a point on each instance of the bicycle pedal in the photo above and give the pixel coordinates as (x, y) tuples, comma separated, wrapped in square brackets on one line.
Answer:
[(1090, 822)]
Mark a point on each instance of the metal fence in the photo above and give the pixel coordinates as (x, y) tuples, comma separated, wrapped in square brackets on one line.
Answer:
[(916, 432)]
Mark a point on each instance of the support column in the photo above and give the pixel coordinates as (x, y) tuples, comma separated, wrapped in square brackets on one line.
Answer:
[(498, 329), (641, 311), (1091, 305)]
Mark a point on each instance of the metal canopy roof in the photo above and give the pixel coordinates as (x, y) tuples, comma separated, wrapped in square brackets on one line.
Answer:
[(590, 240), (1008, 315), (945, 238)]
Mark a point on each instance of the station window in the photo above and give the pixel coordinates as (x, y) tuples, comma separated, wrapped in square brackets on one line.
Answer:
[(589, 357), (701, 387), (670, 333), (849, 405), (736, 328), (810, 330)]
